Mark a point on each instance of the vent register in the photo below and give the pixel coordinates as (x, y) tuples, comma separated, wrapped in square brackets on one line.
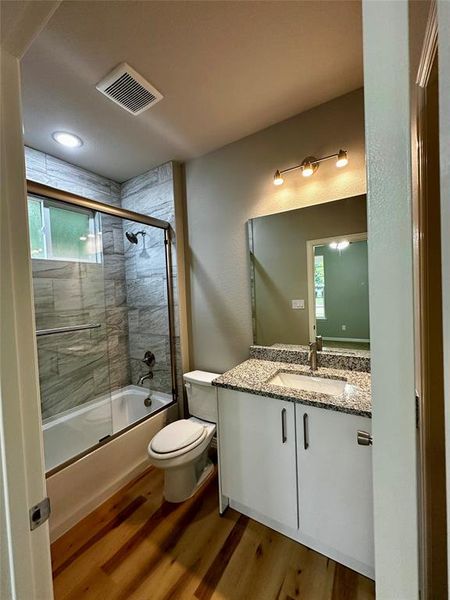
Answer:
[(128, 89)]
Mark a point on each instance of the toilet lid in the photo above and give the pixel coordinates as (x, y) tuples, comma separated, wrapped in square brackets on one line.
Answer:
[(177, 435)]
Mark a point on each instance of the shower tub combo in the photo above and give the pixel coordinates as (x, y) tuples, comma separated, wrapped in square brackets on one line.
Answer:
[(70, 433), (104, 305)]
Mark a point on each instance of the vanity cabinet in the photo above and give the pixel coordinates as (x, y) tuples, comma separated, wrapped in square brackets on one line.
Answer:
[(257, 452), (299, 470), (335, 484)]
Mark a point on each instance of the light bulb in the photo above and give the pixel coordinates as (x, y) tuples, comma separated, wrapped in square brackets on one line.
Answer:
[(67, 139), (342, 160), (277, 179), (343, 245), (333, 245), (83, 238), (307, 170)]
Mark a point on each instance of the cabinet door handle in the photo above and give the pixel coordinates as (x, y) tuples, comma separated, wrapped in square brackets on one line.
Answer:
[(305, 431), (364, 438), (283, 426)]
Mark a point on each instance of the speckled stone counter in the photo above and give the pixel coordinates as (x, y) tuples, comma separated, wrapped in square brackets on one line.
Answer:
[(333, 358), (252, 376)]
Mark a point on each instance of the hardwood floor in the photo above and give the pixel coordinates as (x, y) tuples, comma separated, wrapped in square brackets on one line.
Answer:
[(138, 547)]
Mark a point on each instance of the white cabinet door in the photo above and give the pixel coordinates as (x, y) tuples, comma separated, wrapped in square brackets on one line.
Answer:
[(335, 483), (257, 454)]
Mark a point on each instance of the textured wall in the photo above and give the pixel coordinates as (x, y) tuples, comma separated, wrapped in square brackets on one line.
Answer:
[(227, 187), (151, 193)]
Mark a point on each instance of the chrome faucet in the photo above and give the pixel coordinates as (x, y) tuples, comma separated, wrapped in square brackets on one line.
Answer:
[(143, 378), (149, 360), (314, 347)]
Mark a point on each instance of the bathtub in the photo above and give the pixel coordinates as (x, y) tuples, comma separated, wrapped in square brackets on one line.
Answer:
[(74, 431)]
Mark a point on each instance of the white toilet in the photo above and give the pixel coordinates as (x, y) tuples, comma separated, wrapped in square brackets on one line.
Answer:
[(181, 448)]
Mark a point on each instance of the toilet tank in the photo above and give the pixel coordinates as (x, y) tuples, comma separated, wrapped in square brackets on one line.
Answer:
[(201, 395)]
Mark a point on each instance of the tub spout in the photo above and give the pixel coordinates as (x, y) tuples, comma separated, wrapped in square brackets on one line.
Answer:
[(141, 380)]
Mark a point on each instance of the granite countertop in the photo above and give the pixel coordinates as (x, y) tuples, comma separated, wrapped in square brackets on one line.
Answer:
[(252, 375)]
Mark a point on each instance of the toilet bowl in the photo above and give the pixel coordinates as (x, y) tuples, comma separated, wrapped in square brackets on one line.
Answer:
[(181, 448)]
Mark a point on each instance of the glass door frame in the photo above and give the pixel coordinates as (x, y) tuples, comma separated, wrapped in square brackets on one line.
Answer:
[(49, 193)]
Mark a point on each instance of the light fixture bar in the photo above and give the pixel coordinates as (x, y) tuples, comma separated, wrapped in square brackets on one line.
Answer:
[(311, 161)]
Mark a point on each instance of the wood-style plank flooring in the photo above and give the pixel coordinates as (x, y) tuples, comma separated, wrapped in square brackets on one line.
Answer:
[(138, 547)]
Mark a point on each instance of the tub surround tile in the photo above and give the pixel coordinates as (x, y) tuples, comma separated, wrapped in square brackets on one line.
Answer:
[(148, 291), (252, 376), (43, 295), (63, 393), (354, 360), (80, 293), (35, 164), (127, 293), (76, 178), (58, 269), (117, 321)]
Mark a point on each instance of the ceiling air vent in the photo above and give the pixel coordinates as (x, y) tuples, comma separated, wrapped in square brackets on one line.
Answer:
[(131, 91)]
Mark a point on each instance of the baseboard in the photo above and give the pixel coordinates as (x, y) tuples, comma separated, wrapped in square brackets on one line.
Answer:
[(338, 339)]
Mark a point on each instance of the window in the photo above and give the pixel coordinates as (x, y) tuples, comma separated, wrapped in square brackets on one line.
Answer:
[(319, 287), (60, 232)]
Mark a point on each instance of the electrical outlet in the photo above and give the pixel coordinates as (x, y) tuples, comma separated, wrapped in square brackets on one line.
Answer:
[(298, 304)]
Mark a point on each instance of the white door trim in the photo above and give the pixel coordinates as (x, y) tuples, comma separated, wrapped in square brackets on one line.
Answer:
[(388, 158), (351, 237), (24, 554)]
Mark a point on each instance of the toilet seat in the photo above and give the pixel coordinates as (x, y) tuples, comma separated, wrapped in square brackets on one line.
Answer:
[(177, 438)]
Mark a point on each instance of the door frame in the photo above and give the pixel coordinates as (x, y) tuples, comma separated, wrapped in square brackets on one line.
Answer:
[(351, 237), (428, 317), (443, 18), (25, 554)]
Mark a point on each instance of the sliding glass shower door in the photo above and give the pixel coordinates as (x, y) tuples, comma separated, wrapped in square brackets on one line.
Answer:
[(103, 320), (70, 311)]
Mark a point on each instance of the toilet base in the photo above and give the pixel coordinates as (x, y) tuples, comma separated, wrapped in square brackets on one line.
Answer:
[(183, 482)]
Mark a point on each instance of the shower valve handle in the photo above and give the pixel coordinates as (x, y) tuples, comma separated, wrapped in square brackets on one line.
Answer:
[(149, 359)]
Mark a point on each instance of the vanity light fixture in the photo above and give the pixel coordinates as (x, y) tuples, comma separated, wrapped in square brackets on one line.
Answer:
[(339, 245), (277, 179), (67, 139), (342, 160), (310, 165)]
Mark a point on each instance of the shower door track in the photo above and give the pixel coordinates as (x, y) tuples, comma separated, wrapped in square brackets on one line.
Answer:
[(39, 189)]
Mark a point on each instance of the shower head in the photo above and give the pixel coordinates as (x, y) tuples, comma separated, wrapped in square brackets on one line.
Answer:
[(132, 237)]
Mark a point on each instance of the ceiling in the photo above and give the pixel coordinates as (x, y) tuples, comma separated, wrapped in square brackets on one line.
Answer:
[(226, 70)]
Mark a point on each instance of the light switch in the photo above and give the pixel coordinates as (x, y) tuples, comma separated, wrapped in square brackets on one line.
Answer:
[(298, 304)]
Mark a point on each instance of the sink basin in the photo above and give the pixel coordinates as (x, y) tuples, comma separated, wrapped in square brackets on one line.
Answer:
[(307, 383)]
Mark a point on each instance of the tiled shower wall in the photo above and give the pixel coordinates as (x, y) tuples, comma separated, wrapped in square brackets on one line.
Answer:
[(130, 294), (151, 193)]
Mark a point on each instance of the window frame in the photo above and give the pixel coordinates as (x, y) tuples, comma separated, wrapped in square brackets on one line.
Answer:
[(94, 220), (324, 317)]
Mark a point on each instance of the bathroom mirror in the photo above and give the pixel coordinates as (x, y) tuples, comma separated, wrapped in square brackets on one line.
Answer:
[(309, 276)]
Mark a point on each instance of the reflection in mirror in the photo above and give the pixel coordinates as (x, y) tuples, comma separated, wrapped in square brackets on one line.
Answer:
[(308, 272), (338, 291)]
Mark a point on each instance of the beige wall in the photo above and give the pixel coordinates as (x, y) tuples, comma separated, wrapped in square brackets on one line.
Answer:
[(227, 187)]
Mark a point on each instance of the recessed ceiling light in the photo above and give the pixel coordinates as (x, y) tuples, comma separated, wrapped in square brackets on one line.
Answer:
[(67, 139)]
